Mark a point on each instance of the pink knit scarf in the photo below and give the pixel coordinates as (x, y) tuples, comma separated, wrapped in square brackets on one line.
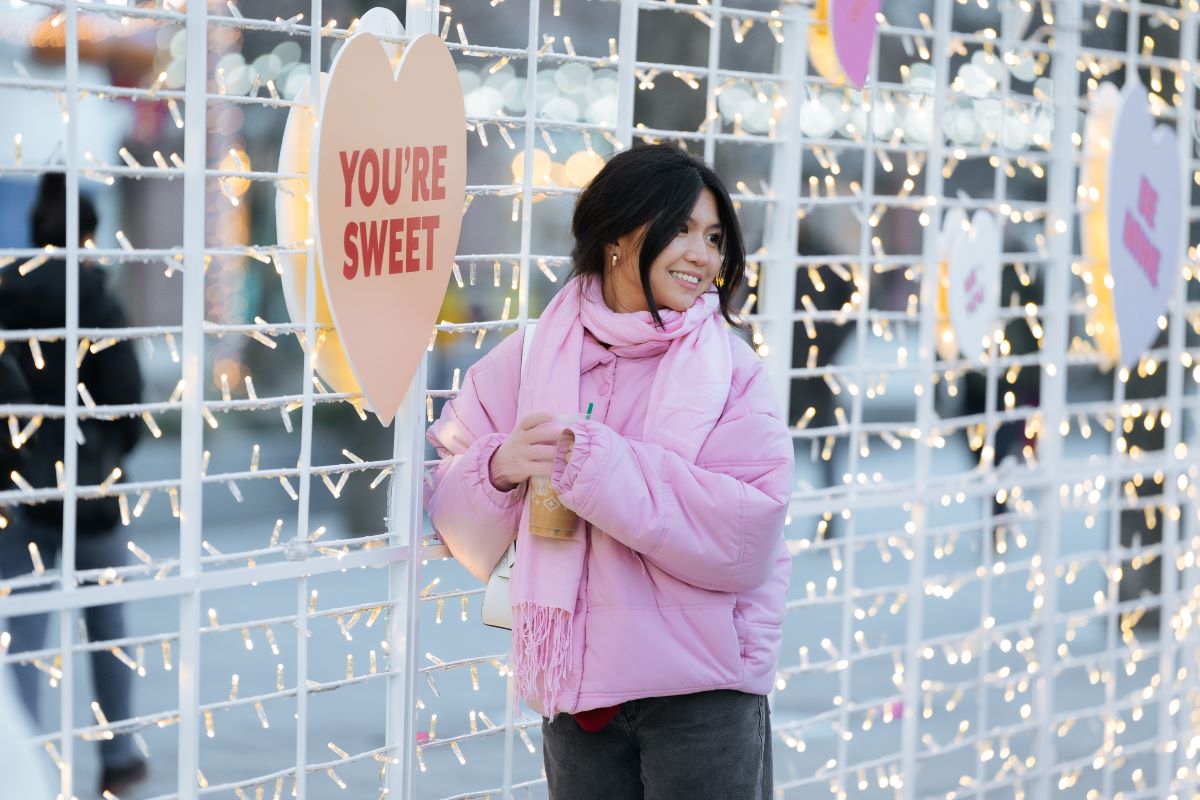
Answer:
[(688, 394)]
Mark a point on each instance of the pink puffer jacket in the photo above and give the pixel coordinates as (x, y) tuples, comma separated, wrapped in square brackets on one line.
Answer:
[(687, 572)]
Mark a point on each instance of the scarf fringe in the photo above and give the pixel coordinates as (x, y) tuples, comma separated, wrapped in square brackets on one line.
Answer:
[(541, 650)]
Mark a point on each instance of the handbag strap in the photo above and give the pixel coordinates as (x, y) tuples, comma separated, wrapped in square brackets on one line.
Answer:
[(510, 555), (526, 344)]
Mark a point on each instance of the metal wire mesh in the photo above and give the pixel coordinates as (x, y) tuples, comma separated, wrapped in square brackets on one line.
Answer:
[(994, 587)]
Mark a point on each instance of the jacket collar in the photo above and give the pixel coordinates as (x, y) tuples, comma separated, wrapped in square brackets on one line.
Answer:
[(595, 352)]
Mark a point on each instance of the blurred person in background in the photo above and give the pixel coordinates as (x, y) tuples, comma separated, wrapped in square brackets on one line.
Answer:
[(14, 391), (22, 777), (112, 377)]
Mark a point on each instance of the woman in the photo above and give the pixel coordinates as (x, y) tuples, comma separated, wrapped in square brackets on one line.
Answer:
[(649, 639)]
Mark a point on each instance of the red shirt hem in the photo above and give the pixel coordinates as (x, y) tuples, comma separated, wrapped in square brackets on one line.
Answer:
[(595, 719)]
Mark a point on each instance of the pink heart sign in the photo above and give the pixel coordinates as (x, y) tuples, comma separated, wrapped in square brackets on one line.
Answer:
[(1144, 215), (853, 27), (974, 291), (391, 178)]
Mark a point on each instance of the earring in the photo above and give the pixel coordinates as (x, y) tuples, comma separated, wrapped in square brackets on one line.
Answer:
[(614, 259)]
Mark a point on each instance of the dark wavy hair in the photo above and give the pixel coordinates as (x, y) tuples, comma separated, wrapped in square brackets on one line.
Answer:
[(654, 186)]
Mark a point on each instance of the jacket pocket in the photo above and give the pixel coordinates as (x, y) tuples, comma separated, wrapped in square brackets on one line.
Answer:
[(759, 645), (664, 650)]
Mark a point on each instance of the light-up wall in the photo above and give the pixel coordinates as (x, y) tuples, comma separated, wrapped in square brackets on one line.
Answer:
[(994, 589)]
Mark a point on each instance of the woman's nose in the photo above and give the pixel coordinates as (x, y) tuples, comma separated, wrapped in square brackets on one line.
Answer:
[(695, 250)]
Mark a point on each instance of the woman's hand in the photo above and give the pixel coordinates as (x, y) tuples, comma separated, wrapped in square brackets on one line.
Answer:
[(528, 450)]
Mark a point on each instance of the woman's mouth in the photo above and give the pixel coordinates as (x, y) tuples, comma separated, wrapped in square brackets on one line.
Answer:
[(689, 282)]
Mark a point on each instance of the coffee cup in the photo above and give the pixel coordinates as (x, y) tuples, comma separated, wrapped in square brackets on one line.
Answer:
[(547, 515)]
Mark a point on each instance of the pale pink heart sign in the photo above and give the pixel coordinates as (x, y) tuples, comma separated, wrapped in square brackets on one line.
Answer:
[(852, 24), (1144, 215), (391, 179), (974, 292)]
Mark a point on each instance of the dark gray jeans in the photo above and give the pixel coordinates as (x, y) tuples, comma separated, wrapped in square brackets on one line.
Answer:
[(711, 745)]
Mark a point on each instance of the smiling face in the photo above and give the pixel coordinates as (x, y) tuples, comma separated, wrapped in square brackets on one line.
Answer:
[(685, 269)]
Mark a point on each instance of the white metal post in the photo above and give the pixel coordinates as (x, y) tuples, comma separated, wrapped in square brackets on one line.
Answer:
[(1053, 386), (66, 628), (192, 423), (987, 455), (626, 61), (862, 325), (1119, 376), (405, 518), (712, 116), (778, 287), (926, 357), (1169, 692), (309, 354), (527, 178)]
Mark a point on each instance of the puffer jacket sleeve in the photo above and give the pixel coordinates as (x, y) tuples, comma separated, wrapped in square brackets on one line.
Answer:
[(476, 520), (717, 523)]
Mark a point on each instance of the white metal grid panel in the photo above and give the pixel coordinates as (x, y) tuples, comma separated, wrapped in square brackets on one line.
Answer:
[(955, 628)]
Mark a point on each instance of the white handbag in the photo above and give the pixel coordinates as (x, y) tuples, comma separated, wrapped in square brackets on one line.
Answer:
[(497, 607)]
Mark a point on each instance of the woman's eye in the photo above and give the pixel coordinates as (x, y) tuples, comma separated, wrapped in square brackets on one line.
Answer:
[(715, 239)]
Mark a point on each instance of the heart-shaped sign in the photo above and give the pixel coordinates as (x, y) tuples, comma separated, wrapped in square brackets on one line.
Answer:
[(974, 291), (853, 25), (1093, 181), (291, 226), (841, 38), (391, 179), (1145, 195), (953, 228), (291, 213)]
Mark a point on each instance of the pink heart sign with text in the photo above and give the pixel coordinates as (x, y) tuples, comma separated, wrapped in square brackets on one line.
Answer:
[(1144, 215), (390, 183)]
